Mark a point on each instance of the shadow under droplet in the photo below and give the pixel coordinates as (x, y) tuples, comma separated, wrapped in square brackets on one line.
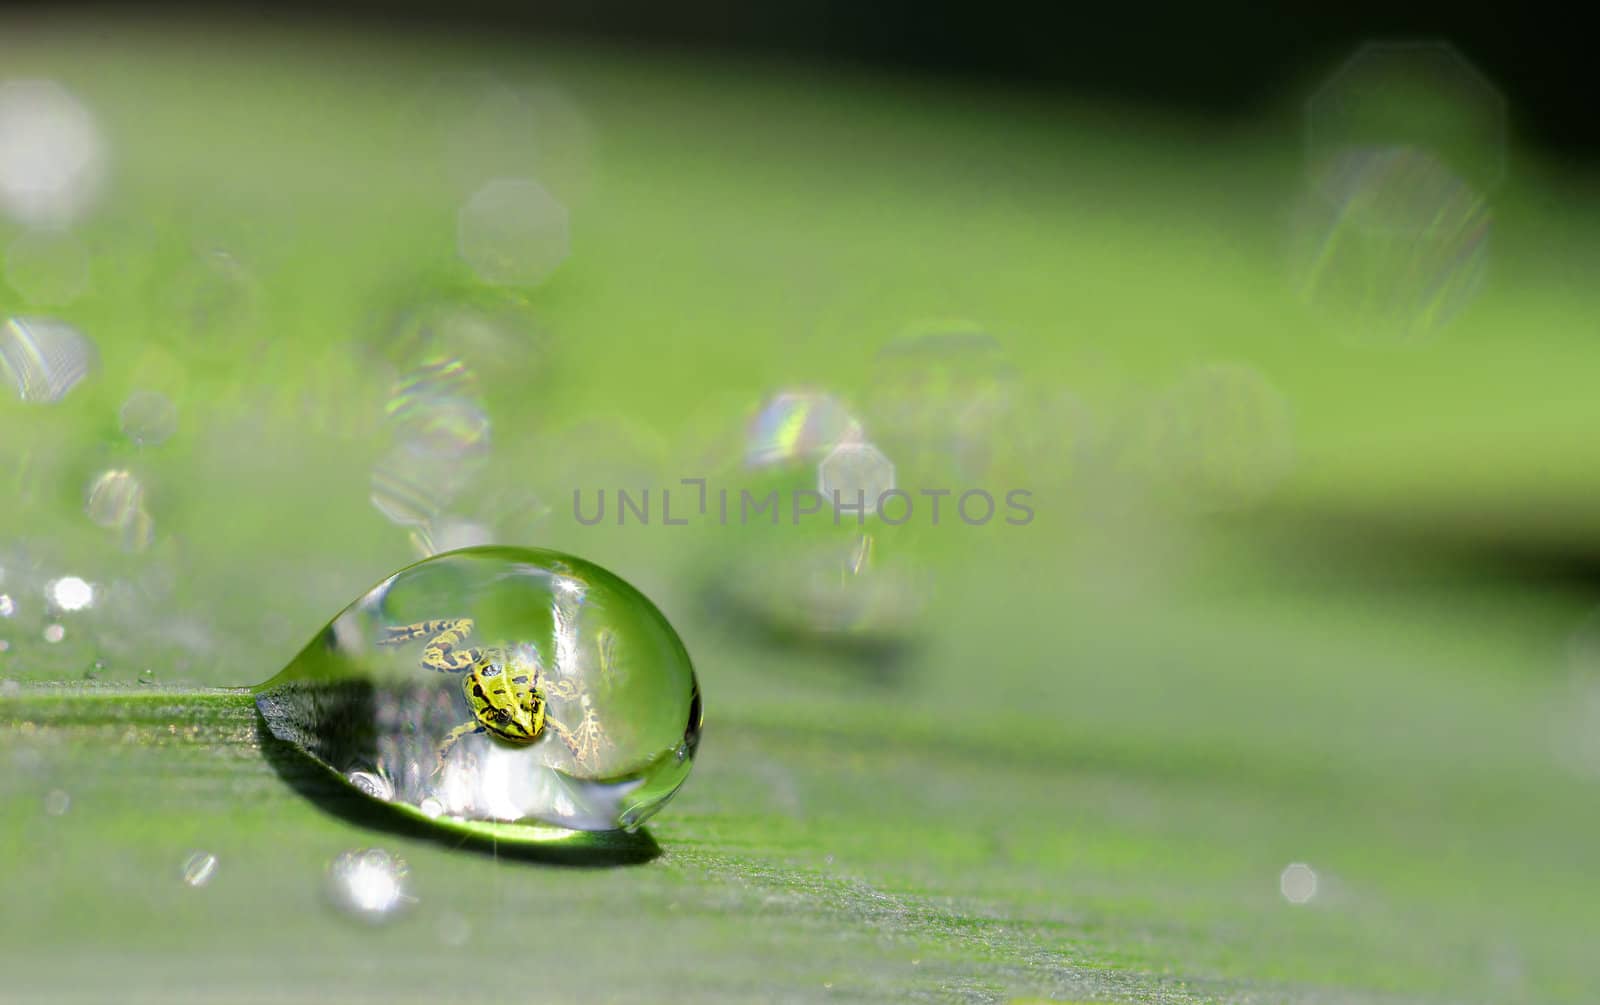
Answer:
[(319, 784)]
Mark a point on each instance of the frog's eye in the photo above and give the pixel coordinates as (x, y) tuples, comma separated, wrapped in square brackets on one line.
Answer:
[(491, 671), (501, 715)]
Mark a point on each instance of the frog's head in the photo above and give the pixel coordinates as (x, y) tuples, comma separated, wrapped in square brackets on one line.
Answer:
[(508, 706)]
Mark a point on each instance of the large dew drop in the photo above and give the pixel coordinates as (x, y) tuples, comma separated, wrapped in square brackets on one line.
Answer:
[(499, 691)]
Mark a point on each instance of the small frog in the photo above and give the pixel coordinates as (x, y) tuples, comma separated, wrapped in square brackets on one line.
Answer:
[(505, 690)]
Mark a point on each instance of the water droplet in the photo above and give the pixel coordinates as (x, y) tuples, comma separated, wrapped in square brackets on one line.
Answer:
[(54, 633), (498, 686), (1298, 883), (798, 425), (47, 267), (199, 869), (52, 155), (512, 232), (148, 418), (94, 670), (44, 358), (369, 884), (57, 802), (8, 607), (147, 676)]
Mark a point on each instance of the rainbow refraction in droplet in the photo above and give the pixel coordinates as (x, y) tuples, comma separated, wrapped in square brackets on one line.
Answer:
[(44, 358), (798, 426), (1390, 242)]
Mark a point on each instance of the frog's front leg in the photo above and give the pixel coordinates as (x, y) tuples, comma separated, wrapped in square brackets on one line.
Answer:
[(452, 738), (395, 635), (443, 635), (586, 740)]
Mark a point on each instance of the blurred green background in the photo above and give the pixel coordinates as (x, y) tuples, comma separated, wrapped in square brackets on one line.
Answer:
[(1288, 693)]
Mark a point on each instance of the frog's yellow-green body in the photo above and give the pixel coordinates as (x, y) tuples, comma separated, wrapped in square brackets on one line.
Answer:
[(505, 690)]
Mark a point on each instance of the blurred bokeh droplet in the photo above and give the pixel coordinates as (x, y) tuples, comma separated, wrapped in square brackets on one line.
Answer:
[(44, 358), (853, 477), (1390, 244), (798, 426), (52, 154), (1421, 94), (512, 232), (115, 500), (148, 418)]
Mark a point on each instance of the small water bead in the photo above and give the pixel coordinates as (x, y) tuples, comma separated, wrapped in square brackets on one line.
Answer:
[(148, 418), (54, 633), (199, 869), (369, 884), (8, 607), (435, 681), (147, 676), (44, 358), (512, 232), (57, 802)]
